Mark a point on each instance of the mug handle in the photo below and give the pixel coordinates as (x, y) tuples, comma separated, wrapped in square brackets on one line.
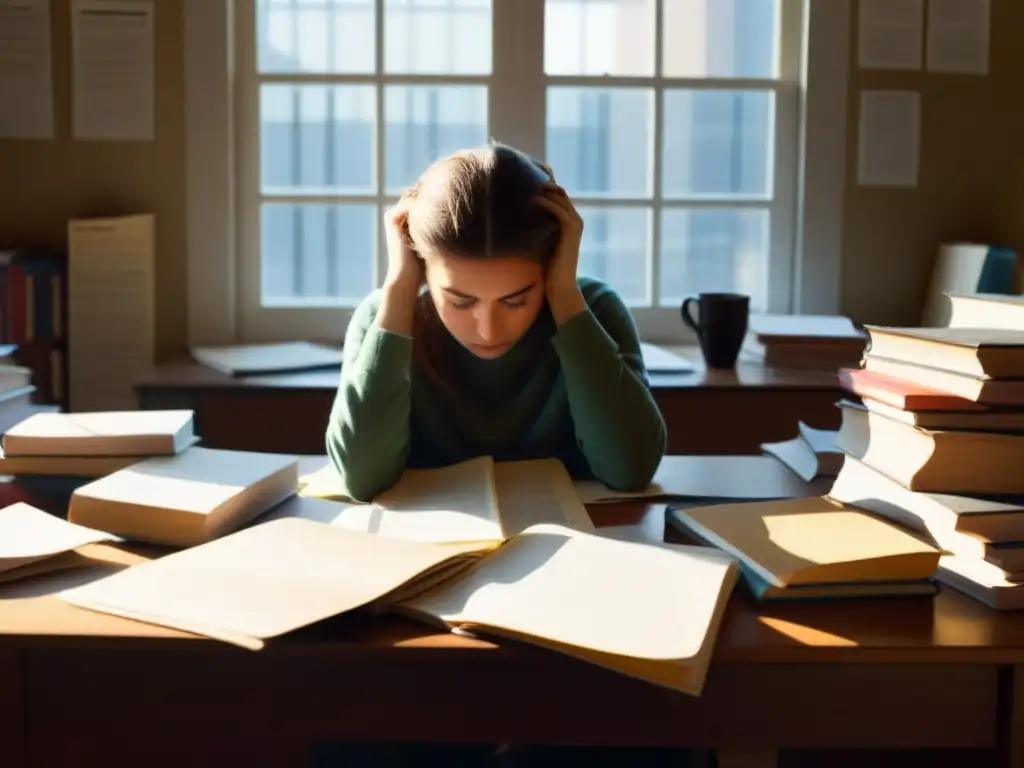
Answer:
[(688, 317)]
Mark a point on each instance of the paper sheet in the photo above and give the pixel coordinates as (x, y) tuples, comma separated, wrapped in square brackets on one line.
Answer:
[(890, 34), (113, 69), (26, 74), (890, 138), (28, 534), (958, 36), (111, 307)]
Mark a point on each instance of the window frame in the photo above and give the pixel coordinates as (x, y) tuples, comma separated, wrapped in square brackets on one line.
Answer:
[(809, 165)]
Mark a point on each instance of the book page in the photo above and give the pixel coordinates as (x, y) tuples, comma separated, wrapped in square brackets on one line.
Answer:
[(450, 504), (538, 491), (584, 590), (28, 534), (264, 581)]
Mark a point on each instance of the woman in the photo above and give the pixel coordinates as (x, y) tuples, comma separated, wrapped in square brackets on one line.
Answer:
[(506, 353)]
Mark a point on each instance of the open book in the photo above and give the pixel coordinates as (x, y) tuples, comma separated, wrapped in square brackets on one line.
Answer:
[(649, 611), (32, 542), (478, 500)]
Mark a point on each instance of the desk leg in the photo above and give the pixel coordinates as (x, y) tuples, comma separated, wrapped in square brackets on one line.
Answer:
[(13, 727), (1015, 726), (750, 758)]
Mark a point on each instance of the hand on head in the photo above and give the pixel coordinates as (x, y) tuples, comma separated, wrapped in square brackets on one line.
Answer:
[(405, 267), (561, 274)]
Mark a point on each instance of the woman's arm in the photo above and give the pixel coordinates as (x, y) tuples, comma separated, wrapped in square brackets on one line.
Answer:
[(619, 428), (368, 433)]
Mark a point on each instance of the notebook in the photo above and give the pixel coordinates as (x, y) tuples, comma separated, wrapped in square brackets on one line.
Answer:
[(794, 542), (727, 477), (476, 500), (598, 599), (186, 499), (262, 359), (32, 542), (107, 433)]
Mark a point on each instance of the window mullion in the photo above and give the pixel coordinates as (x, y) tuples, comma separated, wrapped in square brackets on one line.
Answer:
[(517, 100), (380, 254), (654, 244)]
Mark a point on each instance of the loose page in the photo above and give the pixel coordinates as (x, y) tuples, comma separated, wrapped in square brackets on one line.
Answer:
[(889, 138), (538, 491), (890, 34), (959, 34), (113, 69), (26, 74), (28, 534), (264, 581), (601, 599), (111, 303)]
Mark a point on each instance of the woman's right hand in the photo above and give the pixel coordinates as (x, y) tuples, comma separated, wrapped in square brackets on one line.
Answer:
[(405, 268)]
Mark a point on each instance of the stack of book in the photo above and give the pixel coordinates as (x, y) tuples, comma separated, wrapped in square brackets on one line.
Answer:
[(90, 445), (810, 342), (936, 444)]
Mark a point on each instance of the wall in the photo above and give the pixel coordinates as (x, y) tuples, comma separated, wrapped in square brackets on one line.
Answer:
[(45, 183), (971, 185)]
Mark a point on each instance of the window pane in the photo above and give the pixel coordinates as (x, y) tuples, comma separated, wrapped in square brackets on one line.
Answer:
[(615, 37), (427, 122), (615, 247), (312, 251), (317, 137), (717, 143), (599, 140), (713, 250), (720, 38), (315, 36), (431, 37)]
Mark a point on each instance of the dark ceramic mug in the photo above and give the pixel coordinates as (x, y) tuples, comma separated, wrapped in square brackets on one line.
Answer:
[(720, 325)]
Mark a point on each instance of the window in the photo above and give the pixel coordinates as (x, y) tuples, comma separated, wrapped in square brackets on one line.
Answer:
[(673, 124)]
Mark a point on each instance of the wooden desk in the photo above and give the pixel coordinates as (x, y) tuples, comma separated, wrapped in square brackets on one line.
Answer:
[(723, 412), (907, 673)]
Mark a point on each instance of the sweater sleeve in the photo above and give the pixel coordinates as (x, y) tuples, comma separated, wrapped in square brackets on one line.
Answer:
[(619, 427), (368, 432)]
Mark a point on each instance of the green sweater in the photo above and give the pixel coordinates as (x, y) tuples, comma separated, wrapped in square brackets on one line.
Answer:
[(578, 393)]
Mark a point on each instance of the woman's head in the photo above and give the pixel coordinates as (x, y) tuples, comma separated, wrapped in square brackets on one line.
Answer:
[(484, 242)]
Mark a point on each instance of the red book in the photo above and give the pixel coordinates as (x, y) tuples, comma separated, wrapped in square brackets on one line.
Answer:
[(905, 395)]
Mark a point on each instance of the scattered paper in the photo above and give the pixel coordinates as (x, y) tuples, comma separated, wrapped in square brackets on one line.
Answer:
[(890, 138), (890, 34), (113, 69), (958, 36), (26, 74)]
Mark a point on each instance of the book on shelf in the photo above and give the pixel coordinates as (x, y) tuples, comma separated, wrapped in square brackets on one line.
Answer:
[(594, 598)]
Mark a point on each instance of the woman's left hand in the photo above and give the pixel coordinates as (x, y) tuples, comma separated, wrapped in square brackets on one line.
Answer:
[(561, 285)]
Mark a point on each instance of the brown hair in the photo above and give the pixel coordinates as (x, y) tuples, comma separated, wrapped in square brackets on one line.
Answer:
[(478, 203)]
